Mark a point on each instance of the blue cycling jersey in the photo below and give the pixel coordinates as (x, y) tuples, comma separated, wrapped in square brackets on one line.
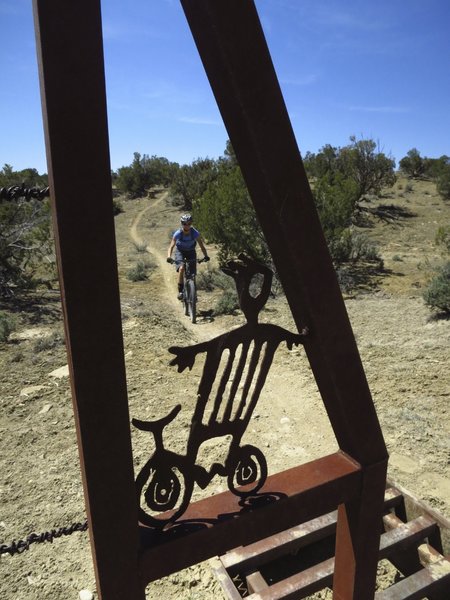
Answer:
[(184, 242)]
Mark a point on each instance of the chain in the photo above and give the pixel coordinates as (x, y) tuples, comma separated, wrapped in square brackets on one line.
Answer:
[(20, 191), (35, 538)]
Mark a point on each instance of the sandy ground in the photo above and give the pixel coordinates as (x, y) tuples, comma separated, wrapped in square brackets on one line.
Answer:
[(405, 354)]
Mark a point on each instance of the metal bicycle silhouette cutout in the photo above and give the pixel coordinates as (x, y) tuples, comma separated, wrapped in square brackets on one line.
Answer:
[(165, 483)]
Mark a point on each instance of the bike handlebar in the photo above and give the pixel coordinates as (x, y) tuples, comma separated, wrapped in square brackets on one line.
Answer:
[(171, 261)]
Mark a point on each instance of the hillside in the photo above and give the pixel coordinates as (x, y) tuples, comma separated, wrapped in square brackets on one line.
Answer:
[(405, 353)]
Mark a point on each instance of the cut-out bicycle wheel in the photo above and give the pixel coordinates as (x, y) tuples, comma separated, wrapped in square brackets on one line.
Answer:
[(160, 490), (249, 472)]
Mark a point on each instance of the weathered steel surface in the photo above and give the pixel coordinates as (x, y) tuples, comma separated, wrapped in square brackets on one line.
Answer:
[(256, 582), (219, 523), (268, 549), (401, 542), (239, 67), (301, 584), (69, 43), (434, 581), (237, 62)]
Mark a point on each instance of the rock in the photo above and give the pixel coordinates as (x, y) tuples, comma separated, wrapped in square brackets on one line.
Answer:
[(284, 420), (86, 595), (45, 409), (60, 373), (31, 390)]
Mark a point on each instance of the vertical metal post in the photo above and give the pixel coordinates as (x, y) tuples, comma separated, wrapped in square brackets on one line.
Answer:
[(70, 55), (234, 53)]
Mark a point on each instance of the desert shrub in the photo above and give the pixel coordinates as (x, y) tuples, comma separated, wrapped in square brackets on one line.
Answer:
[(17, 357), (227, 304), (143, 173), (362, 249), (210, 278), (117, 207), (412, 165), (354, 247), (191, 181), (49, 342), (7, 326), (205, 280), (443, 183), (26, 248), (437, 295), (140, 247), (139, 272), (346, 279), (443, 237), (227, 201)]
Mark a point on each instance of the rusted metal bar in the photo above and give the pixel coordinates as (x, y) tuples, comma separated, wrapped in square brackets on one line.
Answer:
[(427, 582), (406, 535), (237, 62), (430, 558), (415, 506), (214, 525), (393, 498), (400, 543), (256, 582), (70, 55), (268, 549), (239, 67), (299, 585), (254, 555), (229, 585)]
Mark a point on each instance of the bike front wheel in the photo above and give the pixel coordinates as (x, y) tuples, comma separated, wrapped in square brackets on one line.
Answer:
[(191, 300)]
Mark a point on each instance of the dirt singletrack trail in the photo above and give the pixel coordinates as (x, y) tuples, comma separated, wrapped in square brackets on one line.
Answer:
[(164, 218), (153, 247)]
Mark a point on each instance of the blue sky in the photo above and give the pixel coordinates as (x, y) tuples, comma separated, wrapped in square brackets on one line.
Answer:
[(346, 67)]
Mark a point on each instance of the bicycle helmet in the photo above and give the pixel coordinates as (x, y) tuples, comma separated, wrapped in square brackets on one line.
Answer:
[(187, 218)]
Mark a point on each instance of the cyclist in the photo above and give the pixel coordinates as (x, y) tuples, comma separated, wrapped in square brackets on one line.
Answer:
[(184, 241)]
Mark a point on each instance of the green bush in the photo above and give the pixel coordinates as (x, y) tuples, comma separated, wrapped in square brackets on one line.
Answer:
[(210, 278), (226, 216), (443, 238), (140, 247), (443, 183), (354, 247), (139, 272), (117, 207), (437, 295), (143, 173), (7, 326), (227, 304), (49, 342), (412, 165)]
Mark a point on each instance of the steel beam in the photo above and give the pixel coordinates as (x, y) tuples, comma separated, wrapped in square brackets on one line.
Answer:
[(237, 62), (70, 56), (219, 523), (236, 59)]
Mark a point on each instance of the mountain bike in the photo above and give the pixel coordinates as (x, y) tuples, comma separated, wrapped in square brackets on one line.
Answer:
[(190, 288)]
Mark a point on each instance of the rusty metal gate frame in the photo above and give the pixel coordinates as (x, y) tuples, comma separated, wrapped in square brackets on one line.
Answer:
[(232, 47)]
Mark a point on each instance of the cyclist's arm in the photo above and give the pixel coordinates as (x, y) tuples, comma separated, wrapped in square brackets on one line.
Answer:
[(171, 247), (202, 245)]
